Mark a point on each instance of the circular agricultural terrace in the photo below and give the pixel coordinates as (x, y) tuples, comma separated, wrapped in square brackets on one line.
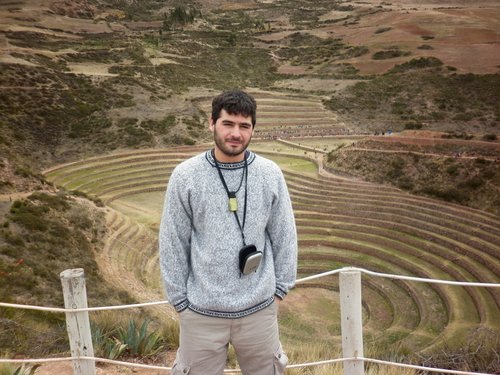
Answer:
[(340, 222)]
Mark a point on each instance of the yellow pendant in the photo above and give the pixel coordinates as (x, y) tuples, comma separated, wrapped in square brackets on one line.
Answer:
[(233, 204)]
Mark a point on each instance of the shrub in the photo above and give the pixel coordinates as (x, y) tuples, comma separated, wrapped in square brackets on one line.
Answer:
[(389, 54), (382, 30), (448, 194), (57, 202), (473, 182), (23, 172), (413, 125), (478, 353), (420, 63), (179, 16), (452, 170), (13, 239), (490, 137), (29, 218), (97, 201)]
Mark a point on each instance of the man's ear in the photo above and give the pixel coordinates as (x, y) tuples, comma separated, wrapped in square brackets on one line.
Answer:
[(211, 124)]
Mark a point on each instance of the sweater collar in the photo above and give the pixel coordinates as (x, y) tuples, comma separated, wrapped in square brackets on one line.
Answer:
[(209, 155)]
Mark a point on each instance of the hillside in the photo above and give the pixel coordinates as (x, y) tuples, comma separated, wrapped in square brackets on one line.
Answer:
[(454, 170), (88, 82), (86, 77)]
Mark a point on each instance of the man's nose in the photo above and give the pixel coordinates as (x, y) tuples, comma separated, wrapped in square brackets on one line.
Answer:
[(236, 132)]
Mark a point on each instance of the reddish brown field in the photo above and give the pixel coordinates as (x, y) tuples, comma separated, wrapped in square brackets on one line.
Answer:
[(462, 35)]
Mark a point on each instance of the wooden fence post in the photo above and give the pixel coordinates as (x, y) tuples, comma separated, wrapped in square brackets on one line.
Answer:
[(78, 323), (351, 320)]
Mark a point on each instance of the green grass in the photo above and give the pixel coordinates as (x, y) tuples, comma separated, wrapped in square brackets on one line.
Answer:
[(57, 234), (325, 144), (145, 208), (294, 164)]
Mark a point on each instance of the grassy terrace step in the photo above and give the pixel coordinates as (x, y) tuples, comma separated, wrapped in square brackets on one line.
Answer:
[(378, 307), (410, 312), (105, 170), (482, 267), (104, 187), (187, 150), (308, 124), (481, 235), (291, 113), (332, 186), (65, 173), (484, 235), (122, 186), (276, 109), (460, 321), (82, 169), (391, 260), (336, 186), (459, 324), (103, 178), (481, 272), (105, 175), (462, 242), (138, 190), (125, 249), (432, 266), (337, 182)]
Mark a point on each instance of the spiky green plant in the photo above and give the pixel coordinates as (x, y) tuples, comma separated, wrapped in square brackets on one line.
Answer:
[(8, 369), (139, 340)]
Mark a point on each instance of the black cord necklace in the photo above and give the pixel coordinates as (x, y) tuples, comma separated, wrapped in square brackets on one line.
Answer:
[(232, 201)]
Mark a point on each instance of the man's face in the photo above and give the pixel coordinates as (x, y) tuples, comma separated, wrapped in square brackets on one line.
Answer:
[(232, 134)]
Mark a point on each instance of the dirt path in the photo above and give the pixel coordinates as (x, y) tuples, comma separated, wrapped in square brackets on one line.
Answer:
[(66, 368), (13, 196)]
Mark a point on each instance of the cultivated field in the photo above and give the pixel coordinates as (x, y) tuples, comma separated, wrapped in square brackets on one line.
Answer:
[(341, 222)]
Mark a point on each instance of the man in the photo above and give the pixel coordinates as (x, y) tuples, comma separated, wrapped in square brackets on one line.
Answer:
[(228, 248)]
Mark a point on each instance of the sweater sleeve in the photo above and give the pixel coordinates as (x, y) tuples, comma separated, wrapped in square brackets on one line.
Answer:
[(174, 241), (283, 235)]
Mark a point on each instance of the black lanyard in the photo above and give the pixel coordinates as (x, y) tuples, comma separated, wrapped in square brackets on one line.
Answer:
[(232, 195)]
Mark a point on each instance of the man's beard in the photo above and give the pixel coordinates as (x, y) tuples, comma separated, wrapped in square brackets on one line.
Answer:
[(227, 150)]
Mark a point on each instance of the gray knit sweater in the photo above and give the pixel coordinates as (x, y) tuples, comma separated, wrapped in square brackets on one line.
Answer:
[(200, 238)]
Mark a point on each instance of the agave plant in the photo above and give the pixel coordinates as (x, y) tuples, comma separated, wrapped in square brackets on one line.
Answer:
[(26, 370), (138, 340), (114, 348)]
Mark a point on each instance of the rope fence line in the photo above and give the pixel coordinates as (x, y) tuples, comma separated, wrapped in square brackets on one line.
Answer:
[(237, 371), (298, 281), (349, 359), (398, 277), (64, 310)]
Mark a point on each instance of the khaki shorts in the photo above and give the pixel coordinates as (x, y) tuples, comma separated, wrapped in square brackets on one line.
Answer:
[(204, 342)]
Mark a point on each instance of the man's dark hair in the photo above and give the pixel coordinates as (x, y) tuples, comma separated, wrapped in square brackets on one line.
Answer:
[(235, 102)]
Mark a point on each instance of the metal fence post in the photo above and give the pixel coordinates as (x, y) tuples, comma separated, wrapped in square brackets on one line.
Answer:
[(78, 323), (351, 320)]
